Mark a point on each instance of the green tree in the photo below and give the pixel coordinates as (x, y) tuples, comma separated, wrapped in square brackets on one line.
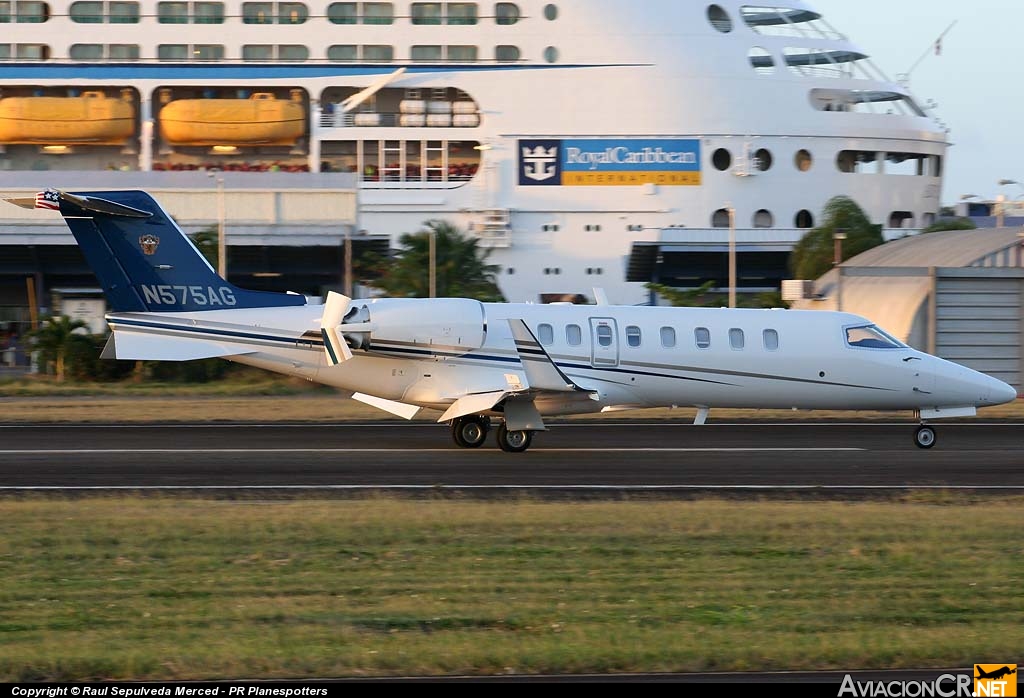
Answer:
[(462, 270), (57, 338), (950, 224), (815, 253), (703, 297)]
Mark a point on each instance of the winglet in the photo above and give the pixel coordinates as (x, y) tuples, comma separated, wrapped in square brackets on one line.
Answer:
[(541, 371), (334, 344)]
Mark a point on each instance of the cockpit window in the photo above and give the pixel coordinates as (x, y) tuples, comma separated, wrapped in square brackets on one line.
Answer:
[(871, 337)]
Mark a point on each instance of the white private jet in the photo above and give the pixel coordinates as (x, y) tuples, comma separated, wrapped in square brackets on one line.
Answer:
[(516, 363)]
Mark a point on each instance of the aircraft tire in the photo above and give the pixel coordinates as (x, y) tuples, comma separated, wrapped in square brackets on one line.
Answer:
[(924, 437), (471, 432), (514, 441)]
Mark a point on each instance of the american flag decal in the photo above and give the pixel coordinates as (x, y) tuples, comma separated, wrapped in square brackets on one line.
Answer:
[(48, 199)]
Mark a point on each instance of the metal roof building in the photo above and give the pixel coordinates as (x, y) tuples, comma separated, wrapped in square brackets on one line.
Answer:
[(957, 294)]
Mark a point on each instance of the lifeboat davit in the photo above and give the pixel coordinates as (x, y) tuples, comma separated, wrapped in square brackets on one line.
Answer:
[(260, 120), (92, 118)]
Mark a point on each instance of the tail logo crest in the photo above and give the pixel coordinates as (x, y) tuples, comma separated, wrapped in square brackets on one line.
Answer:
[(149, 243)]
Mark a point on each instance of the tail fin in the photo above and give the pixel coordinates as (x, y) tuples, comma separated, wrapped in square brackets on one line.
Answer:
[(145, 262)]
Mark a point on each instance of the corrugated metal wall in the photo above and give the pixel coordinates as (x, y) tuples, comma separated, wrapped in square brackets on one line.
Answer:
[(978, 324)]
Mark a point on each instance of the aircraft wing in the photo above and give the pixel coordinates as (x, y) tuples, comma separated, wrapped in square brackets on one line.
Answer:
[(542, 374)]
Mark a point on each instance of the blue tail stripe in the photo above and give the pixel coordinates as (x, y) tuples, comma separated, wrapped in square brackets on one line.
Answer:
[(148, 264)]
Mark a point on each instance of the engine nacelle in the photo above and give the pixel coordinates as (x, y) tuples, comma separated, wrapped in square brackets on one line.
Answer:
[(451, 324)]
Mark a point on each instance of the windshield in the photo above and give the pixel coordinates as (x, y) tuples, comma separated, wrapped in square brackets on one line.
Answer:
[(871, 337)]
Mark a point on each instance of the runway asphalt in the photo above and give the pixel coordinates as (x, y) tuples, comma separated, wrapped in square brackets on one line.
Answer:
[(574, 458)]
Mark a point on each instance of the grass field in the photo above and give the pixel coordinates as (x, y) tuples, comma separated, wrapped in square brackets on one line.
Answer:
[(163, 589)]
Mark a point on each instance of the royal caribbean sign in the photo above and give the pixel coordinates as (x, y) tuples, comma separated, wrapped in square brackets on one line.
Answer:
[(615, 163)]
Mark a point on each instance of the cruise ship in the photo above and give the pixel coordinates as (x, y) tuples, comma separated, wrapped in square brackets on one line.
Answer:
[(586, 143)]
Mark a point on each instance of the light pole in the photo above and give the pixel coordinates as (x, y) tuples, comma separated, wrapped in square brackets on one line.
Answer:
[(222, 246), (433, 264), (732, 255), (1001, 218), (838, 238)]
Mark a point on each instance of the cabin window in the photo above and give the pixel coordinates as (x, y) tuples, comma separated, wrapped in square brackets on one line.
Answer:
[(292, 52), (702, 336), (633, 336), (123, 13), (172, 12), (208, 13), (804, 219), (546, 334), (763, 160), (737, 340), (80, 12), (5, 52), (86, 52), (551, 54), (551, 12), (721, 159), (26, 12), (257, 52), (507, 54), (668, 337), (378, 13), (33, 52), (764, 219), (573, 335), (604, 335), (291, 13), (461, 54), (426, 53), (506, 13), (123, 52), (342, 52), (720, 218), (381, 53), (771, 340), (426, 13), (462, 13), (258, 12), (172, 52), (208, 52), (343, 12), (803, 160), (871, 337)]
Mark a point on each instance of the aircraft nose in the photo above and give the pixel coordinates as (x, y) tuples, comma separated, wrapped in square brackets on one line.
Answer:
[(1000, 393)]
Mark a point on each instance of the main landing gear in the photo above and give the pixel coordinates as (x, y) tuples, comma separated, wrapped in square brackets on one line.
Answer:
[(471, 432), (924, 437)]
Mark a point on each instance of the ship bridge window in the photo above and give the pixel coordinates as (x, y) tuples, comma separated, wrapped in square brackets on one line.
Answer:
[(871, 337), (427, 13), (786, 21), (864, 102), (857, 162), (818, 63), (719, 19), (507, 54), (26, 12), (761, 61), (506, 13), (909, 164)]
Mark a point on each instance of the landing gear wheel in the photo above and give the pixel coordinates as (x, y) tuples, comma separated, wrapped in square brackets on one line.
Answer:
[(514, 441), (924, 437), (470, 432)]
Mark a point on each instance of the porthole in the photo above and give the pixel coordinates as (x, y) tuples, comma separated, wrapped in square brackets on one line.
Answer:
[(764, 219), (551, 12), (803, 160), (721, 159), (804, 219), (761, 61), (719, 19), (720, 218), (551, 54), (763, 159)]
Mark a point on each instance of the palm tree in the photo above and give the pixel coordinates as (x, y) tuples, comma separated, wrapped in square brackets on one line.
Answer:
[(56, 338), (462, 270)]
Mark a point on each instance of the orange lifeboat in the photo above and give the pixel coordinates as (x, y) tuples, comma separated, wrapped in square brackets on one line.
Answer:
[(260, 120), (92, 119)]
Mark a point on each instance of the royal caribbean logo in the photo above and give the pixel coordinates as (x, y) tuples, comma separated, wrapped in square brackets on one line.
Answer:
[(540, 163), (607, 162), (995, 680)]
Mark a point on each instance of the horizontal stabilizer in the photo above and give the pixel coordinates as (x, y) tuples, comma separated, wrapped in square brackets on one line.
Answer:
[(134, 346), (399, 409), (473, 404)]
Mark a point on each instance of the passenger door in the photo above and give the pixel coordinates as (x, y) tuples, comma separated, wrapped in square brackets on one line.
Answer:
[(604, 343)]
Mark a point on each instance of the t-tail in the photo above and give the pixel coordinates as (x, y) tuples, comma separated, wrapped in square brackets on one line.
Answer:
[(143, 260)]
